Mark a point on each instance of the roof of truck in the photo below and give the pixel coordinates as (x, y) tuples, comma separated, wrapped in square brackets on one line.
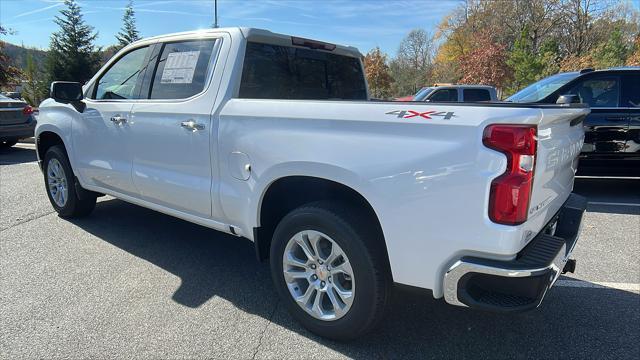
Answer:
[(261, 35)]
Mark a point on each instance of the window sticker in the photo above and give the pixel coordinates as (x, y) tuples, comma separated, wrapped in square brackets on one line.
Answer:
[(179, 67)]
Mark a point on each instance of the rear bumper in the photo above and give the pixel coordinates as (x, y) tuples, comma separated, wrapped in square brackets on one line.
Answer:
[(19, 131), (522, 283)]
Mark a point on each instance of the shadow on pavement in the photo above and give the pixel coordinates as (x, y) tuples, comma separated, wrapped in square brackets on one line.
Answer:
[(606, 195), (572, 323), (17, 155)]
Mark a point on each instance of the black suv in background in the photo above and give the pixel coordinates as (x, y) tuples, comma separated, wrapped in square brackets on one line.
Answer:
[(612, 130)]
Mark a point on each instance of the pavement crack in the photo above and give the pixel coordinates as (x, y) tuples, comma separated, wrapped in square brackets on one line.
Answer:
[(27, 220), (269, 320)]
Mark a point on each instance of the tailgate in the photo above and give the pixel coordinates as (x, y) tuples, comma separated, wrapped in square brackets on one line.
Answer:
[(560, 138)]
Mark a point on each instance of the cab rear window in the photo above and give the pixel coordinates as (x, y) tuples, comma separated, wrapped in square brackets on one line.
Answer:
[(286, 72)]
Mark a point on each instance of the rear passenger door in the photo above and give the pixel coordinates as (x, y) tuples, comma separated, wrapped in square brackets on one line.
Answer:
[(171, 127), (473, 95)]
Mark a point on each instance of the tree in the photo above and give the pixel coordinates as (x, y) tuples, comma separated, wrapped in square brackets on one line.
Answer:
[(129, 33), (72, 54), (9, 74), (634, 57), (411, 67), (612, 53), (524, 61), (377, 72), (486, 64), (35, 89)]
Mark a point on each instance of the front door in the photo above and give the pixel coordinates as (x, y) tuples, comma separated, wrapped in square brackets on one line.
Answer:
[(172, 153), (101, 139)]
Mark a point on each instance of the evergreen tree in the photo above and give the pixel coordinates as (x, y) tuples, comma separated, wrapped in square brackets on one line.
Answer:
[(35, 90), (527, 65), (613, 52), (72, 54), (129, 33)]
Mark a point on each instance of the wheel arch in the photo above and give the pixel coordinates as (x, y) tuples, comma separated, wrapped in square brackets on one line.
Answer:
[(288, 192)]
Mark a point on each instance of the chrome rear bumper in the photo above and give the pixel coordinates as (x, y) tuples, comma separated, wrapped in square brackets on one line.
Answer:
[(522, 283)]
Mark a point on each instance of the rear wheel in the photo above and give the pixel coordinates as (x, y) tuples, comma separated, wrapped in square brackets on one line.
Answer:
[(8, 143), (61, 188), (328, 267)]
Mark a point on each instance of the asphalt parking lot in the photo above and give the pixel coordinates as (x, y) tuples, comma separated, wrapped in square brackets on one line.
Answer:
[(131, 282)]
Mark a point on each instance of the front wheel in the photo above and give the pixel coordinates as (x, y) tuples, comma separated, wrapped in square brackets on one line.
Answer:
[(329, 269), (61, 189)]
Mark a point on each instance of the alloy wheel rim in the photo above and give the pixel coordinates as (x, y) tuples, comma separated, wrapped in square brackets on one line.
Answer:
[(57, 182), (318, 275)]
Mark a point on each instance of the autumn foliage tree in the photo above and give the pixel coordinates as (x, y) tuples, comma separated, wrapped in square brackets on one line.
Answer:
[(377, 72), (486, 63), (8, 72), (634, 58)]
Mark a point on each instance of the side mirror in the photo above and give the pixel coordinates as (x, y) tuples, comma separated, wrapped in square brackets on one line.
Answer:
[(568, 99), (66, 91)]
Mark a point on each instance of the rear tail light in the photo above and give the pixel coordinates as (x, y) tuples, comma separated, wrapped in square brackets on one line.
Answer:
[(511, 191), (27, 110)]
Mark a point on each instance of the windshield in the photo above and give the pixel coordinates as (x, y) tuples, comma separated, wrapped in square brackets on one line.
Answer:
[(423, 93), (539, 90), (2, 97)]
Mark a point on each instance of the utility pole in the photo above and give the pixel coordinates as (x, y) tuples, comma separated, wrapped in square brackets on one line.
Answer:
[(215, 9)]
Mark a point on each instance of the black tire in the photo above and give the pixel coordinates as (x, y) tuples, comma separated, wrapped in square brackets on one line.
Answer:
[(76, 205), (8, 143), (364, 247)]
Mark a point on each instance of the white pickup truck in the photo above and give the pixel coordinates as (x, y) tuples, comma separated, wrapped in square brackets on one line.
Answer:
[(273, 138)]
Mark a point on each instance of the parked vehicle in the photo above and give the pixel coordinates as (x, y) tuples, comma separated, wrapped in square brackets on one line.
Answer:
[(410, 97), (612, 139), (16, 121), (271, 137), (458, 93)]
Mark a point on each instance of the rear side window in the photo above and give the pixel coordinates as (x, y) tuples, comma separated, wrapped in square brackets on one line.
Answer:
[(631, 90), (182, 70), (476, 95), (285, 72), (445, 95)]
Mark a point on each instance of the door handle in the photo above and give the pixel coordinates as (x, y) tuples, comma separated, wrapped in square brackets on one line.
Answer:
[(117, 119), (192, 125)]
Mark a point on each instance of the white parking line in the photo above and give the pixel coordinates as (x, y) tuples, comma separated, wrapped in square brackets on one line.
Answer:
[(609, 177), (613, 203), (598, 285)]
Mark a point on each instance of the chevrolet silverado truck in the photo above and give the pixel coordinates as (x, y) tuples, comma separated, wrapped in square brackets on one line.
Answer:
[(273, 138)]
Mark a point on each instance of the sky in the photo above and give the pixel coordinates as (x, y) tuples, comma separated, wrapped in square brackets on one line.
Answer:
[(360, 23)]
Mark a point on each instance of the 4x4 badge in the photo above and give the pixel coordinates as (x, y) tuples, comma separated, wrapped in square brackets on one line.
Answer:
[(406, 114)]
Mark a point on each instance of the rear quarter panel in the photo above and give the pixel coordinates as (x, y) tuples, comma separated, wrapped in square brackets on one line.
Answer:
[(426, 177)]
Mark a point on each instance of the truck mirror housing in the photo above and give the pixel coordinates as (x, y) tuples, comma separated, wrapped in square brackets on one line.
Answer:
[(568, 99), (66, 91)]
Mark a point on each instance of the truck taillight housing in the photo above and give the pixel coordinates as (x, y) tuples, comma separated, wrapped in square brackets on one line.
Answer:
[(511, 191)]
